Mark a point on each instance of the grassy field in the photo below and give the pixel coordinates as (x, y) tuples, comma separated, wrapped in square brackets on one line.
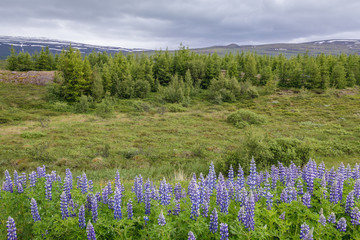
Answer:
[(144, 136)]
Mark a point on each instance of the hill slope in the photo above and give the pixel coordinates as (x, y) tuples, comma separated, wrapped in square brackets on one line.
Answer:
[(335, 46)]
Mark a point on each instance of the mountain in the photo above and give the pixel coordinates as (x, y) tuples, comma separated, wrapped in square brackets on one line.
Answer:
[(333, 46), (32, 45)]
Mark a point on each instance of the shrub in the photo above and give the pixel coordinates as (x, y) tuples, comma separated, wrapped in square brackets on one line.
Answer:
[(268, 151), (141, 88), (32, 135), (174, 93), (106, 107), (83, 105), (243, 118), (176, 108)]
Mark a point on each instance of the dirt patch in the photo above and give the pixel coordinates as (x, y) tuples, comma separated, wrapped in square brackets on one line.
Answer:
[(31, 77), (343, 92)]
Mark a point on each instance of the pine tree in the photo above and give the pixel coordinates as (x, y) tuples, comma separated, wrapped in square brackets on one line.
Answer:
[(12, 60), (338, 76)]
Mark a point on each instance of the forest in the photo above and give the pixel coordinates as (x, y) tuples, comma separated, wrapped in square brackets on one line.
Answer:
[(178, 75)]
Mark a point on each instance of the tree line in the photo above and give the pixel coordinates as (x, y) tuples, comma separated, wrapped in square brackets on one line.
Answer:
[(177, 75)]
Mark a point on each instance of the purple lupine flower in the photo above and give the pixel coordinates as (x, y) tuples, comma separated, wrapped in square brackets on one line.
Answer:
[(224, 231), (191, 236), (94, 208), (341, 226), (117, 205), (69, 177), (284, 196), (161, 219), (11, 229), (224, 199), (231, 174), (357, 189), (240, 178), (282, 174), (20, 188), (282, 216), (334, 193), (212, 177), (48, 187), (242, 215), (67, 186), (274, 176), (163, 190), (139, 188), (195, 201), (90, 231), (252, 179), (322, 219), (34, 210), (64, 206), (205, 209), (147, 200), (213, 227), (84, 184), (307, 200), (349, 202), (355, 216), (269, 200), (321, 170), (249, 209), (177, 191), (8, 182), (22, 179), (82, 223), (91, 186), (32, 179), (146, 219), (230, 189), (105, 195), (309, 235), (299, 186), (304, 230), (176, 210), (130, 209), (332, 218)]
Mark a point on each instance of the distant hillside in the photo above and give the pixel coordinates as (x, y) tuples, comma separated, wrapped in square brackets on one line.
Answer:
[(335, 46), (32, 45)]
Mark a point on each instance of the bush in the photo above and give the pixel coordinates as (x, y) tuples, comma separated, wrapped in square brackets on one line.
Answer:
[(61, 107), (224, 90), (141, 88), (83, 105), (174, 93), (106, 107), (176, 108), (267, 151), (32, 135), (243, 118)]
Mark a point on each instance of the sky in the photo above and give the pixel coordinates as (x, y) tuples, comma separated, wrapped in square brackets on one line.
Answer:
[(161, 24)]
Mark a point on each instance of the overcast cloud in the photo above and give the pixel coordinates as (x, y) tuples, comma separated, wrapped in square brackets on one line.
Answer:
[(159, 24)]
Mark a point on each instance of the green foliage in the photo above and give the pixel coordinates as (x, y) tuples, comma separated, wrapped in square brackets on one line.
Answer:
[(174, 93), (83, 105), (141, 88), (32, 135), (243, 118), (176, 108), (106, 107)]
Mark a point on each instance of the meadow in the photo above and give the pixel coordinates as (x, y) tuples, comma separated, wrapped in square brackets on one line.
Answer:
[(177, 141)]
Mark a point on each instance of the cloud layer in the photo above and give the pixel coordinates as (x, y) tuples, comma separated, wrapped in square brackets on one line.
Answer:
[(197, 23)]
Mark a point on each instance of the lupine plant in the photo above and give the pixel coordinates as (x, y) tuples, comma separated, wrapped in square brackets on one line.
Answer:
[(285, 202)]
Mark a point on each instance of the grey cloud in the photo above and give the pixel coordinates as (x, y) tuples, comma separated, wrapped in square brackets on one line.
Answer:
[(162, 23)]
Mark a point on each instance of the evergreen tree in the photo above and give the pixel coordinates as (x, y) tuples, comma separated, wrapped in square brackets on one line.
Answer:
[(338, 76), (12, 60)]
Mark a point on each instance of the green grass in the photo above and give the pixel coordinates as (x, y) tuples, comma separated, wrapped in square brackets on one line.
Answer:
[(143, 137)]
